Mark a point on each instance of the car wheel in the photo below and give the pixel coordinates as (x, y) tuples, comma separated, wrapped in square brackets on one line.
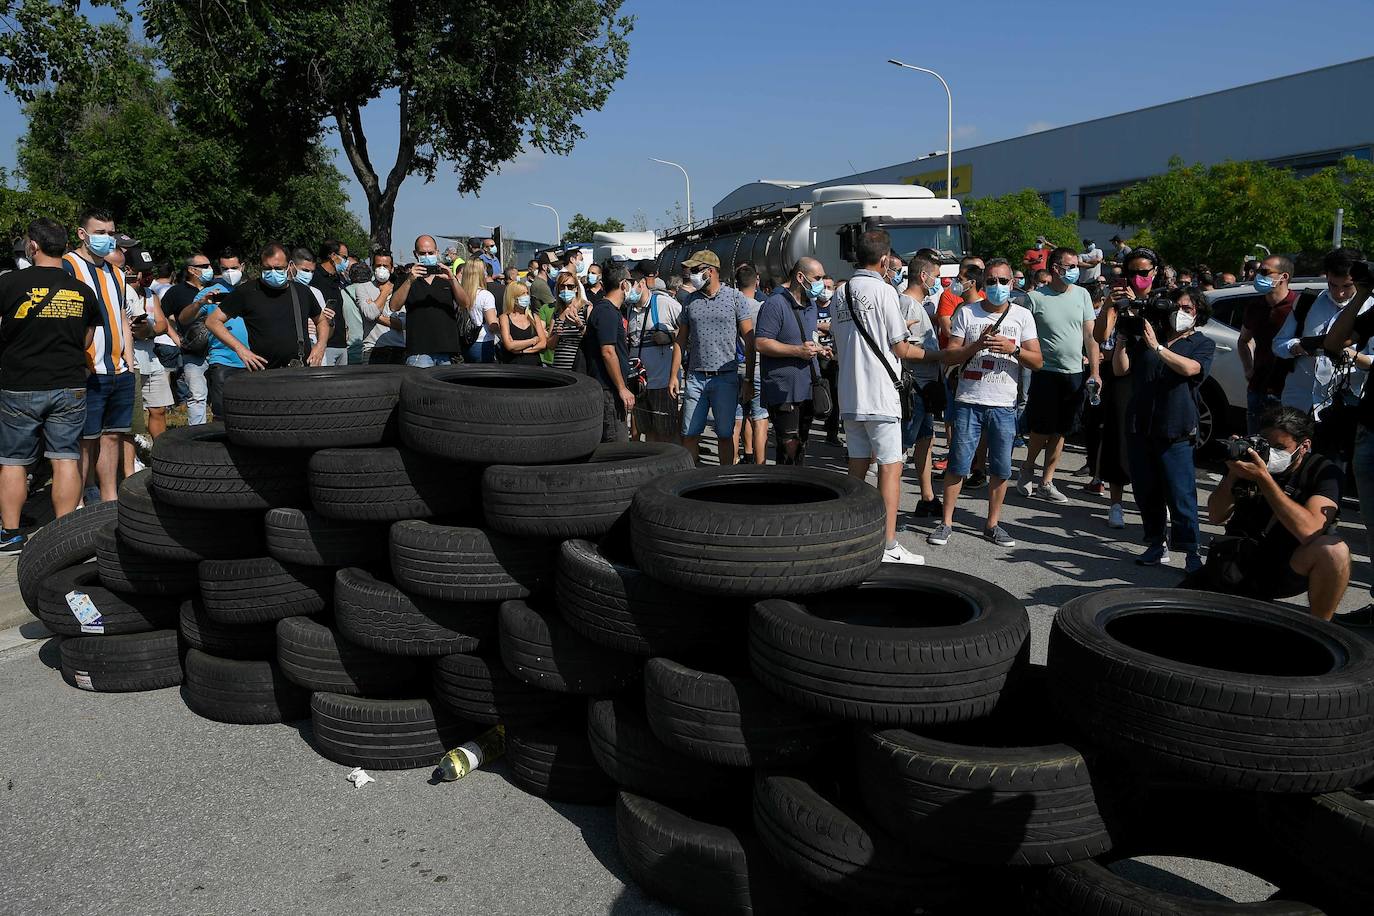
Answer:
[(1212, 424)]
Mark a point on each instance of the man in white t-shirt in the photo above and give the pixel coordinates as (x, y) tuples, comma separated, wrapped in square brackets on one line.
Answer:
[(870, 338), (1090, 262), (993, 341)]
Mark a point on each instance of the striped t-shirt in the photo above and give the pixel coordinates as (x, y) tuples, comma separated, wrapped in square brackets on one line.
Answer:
[(105, 355)]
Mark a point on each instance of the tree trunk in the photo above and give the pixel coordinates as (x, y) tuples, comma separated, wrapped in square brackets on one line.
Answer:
[(381, 201)]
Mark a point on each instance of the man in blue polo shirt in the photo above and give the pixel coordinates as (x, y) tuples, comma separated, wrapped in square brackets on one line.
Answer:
[(785, 333)]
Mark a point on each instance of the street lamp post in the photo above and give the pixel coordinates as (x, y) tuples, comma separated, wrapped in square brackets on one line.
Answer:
[(949, 128), (689, 184), (557, 223)]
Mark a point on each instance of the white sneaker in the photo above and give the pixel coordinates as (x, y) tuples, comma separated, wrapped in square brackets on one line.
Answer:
[(899, 554), (1116, 517)]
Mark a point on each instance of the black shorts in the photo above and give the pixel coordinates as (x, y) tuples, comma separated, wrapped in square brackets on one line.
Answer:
[(1053, 403), (791, 420), (656, 413), (1264, 580)]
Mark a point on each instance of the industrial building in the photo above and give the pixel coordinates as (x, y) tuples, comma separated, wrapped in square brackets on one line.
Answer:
[(1313, 120)]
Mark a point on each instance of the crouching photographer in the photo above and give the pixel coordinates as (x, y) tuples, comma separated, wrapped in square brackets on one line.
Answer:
[(1158, 346), (1279, 502)]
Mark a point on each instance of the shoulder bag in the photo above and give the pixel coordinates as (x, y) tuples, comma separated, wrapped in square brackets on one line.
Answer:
[(903, 383), (822, 402), (300, 329)]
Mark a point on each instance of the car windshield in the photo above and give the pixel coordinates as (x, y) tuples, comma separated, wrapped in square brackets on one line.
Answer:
[(949, 239)]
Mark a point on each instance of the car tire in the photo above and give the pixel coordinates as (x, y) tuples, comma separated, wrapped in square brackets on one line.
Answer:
[(307, 538), (59, 544), (627, 751), (241, 691), (378, 734), (313, 408), (1233, 693), (480, 689), (197, 467), (554, 760), (544, 652), (580, 500), (257, 641), (262, 589), (379, 616), (119, 613), (468, 564), (315, 657), (1327, 843), (758, 531), (120, 664), (123, 569), (390, 484), (501, 414), (152, 527)]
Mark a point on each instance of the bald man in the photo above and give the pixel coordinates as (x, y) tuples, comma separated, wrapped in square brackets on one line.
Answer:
[(432, 298), (785, 334)]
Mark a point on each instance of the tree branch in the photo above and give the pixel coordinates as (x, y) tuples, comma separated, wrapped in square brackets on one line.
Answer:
[(405, 151), (355, 147)]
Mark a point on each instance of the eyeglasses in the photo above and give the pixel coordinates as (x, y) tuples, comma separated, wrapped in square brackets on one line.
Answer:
[(1000, 281)]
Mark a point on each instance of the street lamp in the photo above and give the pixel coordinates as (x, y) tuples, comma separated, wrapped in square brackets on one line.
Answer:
[(557, 223), (949, 130), (689, 184)]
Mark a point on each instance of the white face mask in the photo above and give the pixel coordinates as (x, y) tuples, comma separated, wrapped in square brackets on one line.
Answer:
[(381, 275), (232, 276), (698, 280), (1279, 460), (1182, 321)]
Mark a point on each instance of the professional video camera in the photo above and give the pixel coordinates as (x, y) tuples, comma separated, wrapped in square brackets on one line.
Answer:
[(1131, 315), (1239, 449)]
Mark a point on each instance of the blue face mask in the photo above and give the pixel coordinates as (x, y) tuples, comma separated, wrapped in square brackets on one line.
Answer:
[(343, 265), (581, 269), (998, 294), (522, 301), (956, 288), (207, 275), (274, 278), (899, 279), (1263, 284), (1020, 282), (428, 260), (1070, 276), (633, 296), (816, 289), (100, 244), (304, 277), (567, 295)]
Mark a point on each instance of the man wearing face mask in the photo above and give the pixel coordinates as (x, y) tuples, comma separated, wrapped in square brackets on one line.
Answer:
[(1037, 257), (1280, 513), (954, 296), (1313, 375), (178, 305), (830, 367), (489, 257), (433, 301), (330, 278), (652, 336), (384, 342), (606, 352), (785, 334), (923, 275)]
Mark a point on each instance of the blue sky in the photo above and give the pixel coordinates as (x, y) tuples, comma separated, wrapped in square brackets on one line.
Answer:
[(737, 91)]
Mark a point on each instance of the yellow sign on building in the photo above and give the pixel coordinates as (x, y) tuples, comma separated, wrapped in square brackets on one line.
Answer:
[(963, 180)]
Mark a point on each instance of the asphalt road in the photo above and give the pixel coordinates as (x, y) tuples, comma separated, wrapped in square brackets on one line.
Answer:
[(130, 803)]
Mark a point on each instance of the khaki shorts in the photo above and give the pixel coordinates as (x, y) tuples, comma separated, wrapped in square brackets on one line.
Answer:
[(156, 390)]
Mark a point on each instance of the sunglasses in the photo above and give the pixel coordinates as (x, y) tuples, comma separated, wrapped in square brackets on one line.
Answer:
[(199, 266), (566, 286), (1139, 273), (999, 281)]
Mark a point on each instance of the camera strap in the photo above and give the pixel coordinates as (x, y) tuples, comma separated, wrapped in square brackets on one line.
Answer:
[(296, 318)]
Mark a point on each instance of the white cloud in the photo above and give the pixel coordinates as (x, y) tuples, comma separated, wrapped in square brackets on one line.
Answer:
[(528, 160), (1035, 127)]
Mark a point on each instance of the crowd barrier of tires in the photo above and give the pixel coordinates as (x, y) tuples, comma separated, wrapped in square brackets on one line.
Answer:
[(407, 556)]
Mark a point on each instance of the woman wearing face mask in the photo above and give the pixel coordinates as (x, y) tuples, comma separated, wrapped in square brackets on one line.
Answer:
[(570, 323), (522, 334), (1167, 364)]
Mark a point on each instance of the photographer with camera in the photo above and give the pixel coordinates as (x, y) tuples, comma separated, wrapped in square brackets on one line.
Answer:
[(1311, 382), (1159, 348), (1279, 502)]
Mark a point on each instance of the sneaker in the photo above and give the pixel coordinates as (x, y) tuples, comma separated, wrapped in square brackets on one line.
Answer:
[(899, 554), (1364, 617), (930, 508), (977, 480), (1025, 484), (12, 543), (90, 496), (1157, 555), (940, 536), (940, 464), (1192, 562), (999, 536), (1051, 492), (1095, 486), (1116, 516)]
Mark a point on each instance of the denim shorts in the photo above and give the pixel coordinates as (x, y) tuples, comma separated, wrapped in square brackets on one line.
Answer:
[(880, 440), (971, 422), (54, 418), (756, 409), (716, 393), (920, 426), (109, 404)]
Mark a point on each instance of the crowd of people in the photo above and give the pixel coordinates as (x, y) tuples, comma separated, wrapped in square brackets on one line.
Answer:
[(1066, 342)]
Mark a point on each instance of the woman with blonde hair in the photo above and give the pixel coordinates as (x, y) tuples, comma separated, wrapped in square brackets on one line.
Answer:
[(569, 323), (473, 280), (522, 335)]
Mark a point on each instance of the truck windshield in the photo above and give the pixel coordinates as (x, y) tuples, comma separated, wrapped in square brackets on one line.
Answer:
[(943, 237)]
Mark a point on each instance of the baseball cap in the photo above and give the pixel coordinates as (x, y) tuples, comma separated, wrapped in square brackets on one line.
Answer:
[(125, 241), (137, 259), (647, 267), (703, 258)]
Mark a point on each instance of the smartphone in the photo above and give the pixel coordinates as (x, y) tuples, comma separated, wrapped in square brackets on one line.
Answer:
[(1118, 282)]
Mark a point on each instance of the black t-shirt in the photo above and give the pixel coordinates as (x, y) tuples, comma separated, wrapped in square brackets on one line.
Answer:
[(44, 314), (431, 319), (266, 313), (329, 287), (605, 327), (1316, 476), (177, 297)]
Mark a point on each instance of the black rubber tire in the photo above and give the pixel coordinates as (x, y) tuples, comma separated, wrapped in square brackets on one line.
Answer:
[(384, 734), (309, 539), (60, 543), (119, 664), (468, 564), (242, 641), (729, 719), (314, 656), (123, 569), (607, 599), (909, 646), (554, 760), (758, 531), (389, 484), (314, 408), (242, 691), (627, 751), (196, 467), (494, 414), (379, 616), (842, 854), (544, 652), (1157, 674), (1328, 843), (120, 613), (575, 500), (1091, 889), (262, 588), (157, 529), (480, 689), (700, 867)]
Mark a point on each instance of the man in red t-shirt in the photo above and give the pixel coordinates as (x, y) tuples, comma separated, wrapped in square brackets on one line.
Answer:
[(1038, 258), (1264, 372)]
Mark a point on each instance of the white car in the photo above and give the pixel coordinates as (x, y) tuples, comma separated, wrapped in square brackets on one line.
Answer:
[(1222, 408)]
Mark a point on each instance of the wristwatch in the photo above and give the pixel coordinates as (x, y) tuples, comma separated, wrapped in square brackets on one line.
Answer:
[(1016, 354)]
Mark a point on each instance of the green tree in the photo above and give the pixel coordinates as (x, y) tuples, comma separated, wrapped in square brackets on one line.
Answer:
[(476, 81), (46, 43), (1004, 227), (580, 228)]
